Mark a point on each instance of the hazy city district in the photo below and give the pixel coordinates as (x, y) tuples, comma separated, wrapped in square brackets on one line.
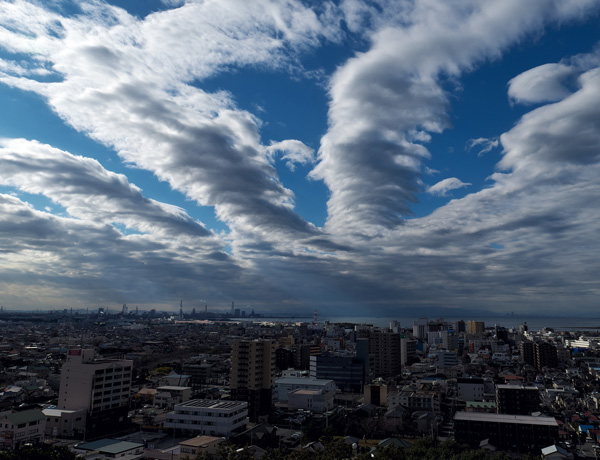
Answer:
[(154, 385)]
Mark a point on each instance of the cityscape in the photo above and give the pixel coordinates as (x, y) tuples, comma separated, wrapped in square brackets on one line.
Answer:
[(157, 385), (299, 229)]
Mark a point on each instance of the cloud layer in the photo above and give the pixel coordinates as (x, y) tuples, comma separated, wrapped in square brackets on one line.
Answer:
[(140, 86)]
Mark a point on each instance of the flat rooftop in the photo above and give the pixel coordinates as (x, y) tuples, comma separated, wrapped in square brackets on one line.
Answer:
[(212, 404), (505, 418), (303, 381)]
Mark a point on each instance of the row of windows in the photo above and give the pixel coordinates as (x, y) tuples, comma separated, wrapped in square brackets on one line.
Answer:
[(110, 370), (192, 422), (206, 414)]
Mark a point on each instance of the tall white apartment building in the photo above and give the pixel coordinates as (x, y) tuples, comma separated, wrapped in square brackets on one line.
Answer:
[(99, 386)]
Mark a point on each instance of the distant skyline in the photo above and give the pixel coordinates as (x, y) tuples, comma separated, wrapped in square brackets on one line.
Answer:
[(352, 156)]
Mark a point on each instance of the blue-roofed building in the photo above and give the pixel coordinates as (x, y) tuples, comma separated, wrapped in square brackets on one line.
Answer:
[(111, 448)]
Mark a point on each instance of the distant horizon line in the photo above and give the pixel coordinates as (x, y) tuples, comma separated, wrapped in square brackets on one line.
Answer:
[(325, 316)]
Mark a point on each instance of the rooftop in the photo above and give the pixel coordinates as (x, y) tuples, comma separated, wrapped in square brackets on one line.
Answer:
[(303, 381), (199, 441), (213, 404), (26, 416), (505, 418)]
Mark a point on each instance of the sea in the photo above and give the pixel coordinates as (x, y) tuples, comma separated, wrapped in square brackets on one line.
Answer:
[(534, 323)]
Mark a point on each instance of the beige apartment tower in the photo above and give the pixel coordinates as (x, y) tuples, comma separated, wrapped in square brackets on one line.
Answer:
[(253, 375), (475, 327)]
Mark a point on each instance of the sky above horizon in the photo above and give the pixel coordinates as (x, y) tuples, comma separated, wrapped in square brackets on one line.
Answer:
[(348, 156)]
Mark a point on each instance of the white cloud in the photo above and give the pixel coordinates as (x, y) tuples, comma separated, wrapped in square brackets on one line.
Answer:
[(445, 185), (88, 191), (294, 152), (381, 96), (544, 83), (124, 82), (135, 85), (483, 145)]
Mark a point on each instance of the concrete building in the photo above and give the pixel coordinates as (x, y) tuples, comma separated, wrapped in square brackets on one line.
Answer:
[(252, 375), (545, 355), (101, 387), (199, 445), (447, 359), (524, 433), (470, 389), (200, 374), (475, 327), (317, 401), (111, 448), (167, 396), (420, 328), (517, 400), (18, 428), (385, 353), (285, 385), (527, 352), (377, 393), (209, 417), (417, 400), (63, 423), (408, 350), (345, 371)]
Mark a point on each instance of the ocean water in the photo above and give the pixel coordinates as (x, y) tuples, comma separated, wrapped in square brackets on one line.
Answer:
[(534, 323)]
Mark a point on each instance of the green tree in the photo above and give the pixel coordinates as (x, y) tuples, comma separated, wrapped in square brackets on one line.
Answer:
[(40, 453)]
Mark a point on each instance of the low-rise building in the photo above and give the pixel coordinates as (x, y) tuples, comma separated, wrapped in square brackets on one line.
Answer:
[(63, 423), (285, 385), (317, 401), (470, 389), (193, 447), (417, 400), (18, 428), (111, 448), (524, 433), (167, 396), (209, 417), (518, 400)]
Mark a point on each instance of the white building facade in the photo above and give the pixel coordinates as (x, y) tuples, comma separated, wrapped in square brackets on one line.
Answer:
[(18, 428), (209, 417), (285, 385)]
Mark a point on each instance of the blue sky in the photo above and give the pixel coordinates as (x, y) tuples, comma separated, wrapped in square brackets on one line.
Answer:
[(351, 156)]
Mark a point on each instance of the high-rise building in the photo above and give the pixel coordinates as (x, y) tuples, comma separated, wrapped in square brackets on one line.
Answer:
[(475, 327), (408, 350), (545, 355), (527, 352), (99, 386), (252, 375), (385, 353), (284, 358), (362, 354), (420, 328)]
